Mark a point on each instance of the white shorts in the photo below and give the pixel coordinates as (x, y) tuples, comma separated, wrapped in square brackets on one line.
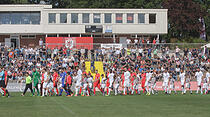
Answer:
[(77, 85), (116, 86), (172, 86), (147, 83), (103, 86), (50, 85), (126, 84), (205, 85), (187, 85), (111, 84), (182, 83), (199, 83), (153, 85), (165, 84), (45, 85), (90, 85), (85, 86)]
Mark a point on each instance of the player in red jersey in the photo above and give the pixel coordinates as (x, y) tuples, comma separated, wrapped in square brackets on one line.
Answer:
[(107, 83), (55, 81), (69, 83), (96, 83), (143, 76)]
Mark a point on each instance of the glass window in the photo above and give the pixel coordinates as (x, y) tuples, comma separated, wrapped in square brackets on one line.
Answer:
[(85, 17), (74, 18), (4, 18), (96, 18), (35, 18), (63, 18), (25, 18), (141, 18), (108, 18), (15, 18), (52, 18), (119, 18), (152, 18), (130, 18)]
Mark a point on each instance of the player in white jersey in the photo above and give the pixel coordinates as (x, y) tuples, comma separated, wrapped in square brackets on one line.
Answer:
[(77, 79), (199, 75), (206, 82), (148, 81), (166, 77), (85, 86), (153, 81), (187, 83), (111, 80), (45, 83), (90, 83), (126, 84), (172, 85), (117, 82), (103, 83), (50, 85), (182, 79)]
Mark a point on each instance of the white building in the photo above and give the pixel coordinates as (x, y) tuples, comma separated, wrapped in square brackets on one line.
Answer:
[(26, 24)]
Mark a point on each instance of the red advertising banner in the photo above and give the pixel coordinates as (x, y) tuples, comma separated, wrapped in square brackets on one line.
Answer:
[(159, 87), (69, 42)]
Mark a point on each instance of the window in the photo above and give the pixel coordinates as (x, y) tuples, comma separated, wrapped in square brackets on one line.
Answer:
[(130, 18), (35, 18), (28, 36), (141, 18), (52, 18), (98, 36), (15, 18), (63, 18), (85, 35), (5, 18), (74, 18), (52, 35), (63, 35), (25, 18), (20, 18), (119, 17), (108, 36), (108, 18), (85, 17), (152, 18), (96, 18)]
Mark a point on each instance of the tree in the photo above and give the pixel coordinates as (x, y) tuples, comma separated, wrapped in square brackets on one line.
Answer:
[(184, 18)]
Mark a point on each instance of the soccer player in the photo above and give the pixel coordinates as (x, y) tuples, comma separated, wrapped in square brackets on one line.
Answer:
[(153, 82), (182, 79), (187, 84), (117, 82), (28, 84), (6, 82), (172, 85), (148, 79), (69, 83), (90, 83), (143, 79), (2, 81), (45, 82), (96, 83), (63, 83), (166, 77), (126, 85), (206, 82), (111, 80), (36, 79), (103, 84), (85, 86), (199, 75), (55, 81)]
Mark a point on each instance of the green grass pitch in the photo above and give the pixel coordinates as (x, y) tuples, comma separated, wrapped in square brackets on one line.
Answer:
[(160, 105)]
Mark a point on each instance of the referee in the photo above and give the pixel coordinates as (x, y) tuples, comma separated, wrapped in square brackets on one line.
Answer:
[(28, 84)]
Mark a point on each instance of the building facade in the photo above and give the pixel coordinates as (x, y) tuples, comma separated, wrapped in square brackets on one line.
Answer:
[(25, 25)]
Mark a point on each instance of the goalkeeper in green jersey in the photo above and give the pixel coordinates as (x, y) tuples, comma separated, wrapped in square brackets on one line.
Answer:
[(36, 80)]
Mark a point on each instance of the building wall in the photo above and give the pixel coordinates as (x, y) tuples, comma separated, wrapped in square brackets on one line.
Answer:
[(28, 42)]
